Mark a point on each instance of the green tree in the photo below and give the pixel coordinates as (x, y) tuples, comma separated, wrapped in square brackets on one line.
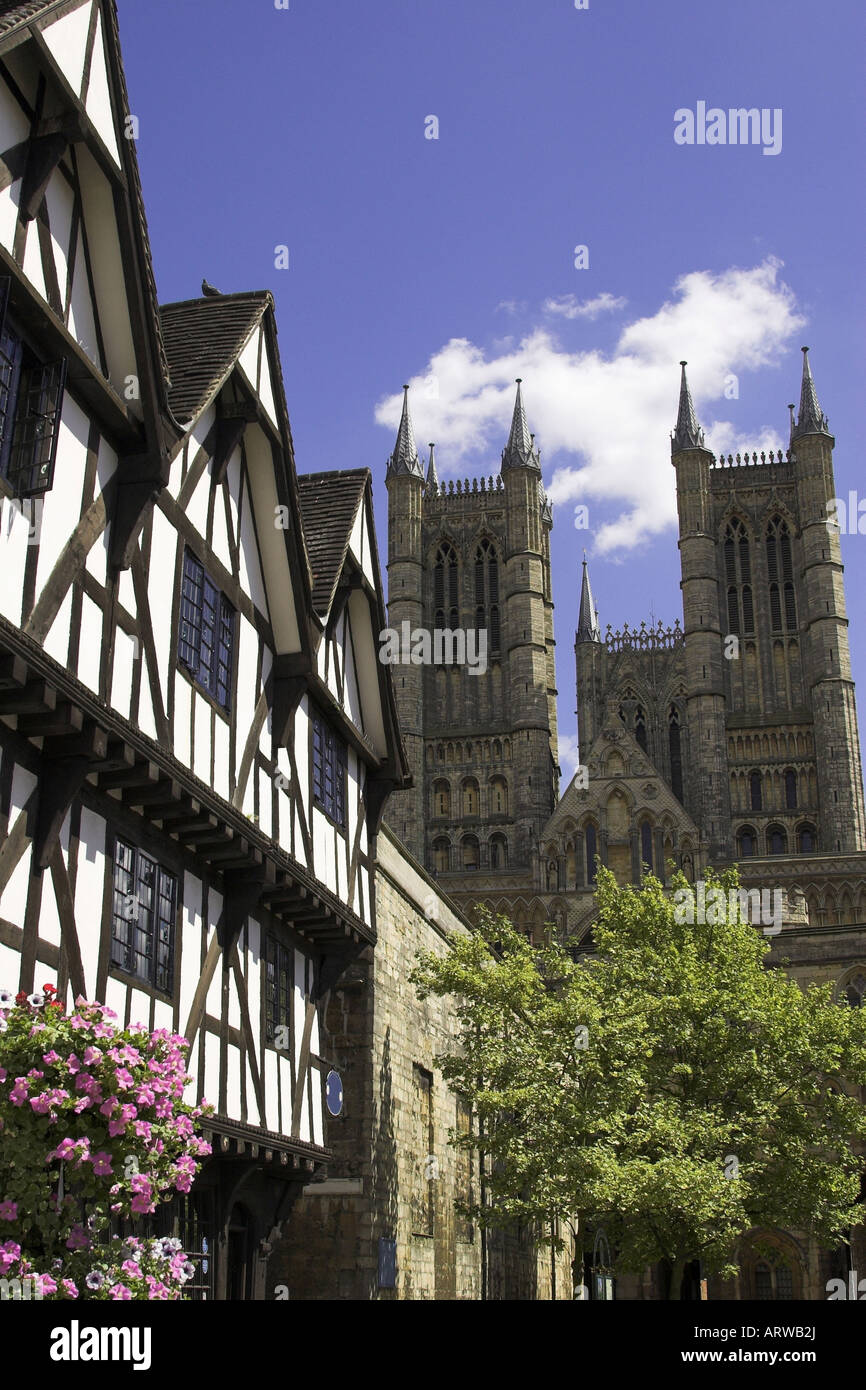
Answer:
[(669, 1085)]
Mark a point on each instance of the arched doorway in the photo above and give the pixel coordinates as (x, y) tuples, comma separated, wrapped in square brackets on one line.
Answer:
[(239, 1254)]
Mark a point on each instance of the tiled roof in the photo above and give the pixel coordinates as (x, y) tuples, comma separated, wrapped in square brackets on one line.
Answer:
[(202, 340), (14, 14), (329, 505)]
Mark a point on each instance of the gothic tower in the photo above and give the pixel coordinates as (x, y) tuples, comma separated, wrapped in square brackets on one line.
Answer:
[(774, 764), (472, 560)]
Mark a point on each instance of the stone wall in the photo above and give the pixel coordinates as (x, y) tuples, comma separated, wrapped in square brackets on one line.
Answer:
[(394, 1176)]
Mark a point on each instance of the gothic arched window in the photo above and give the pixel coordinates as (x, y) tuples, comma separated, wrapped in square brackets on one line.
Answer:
[(446, 587), (470, 797), (441, 798), (470, 852), (646, 844), (746, 843), (755, 791), (738, 577), (791, 789), (675, 749), (640, 727), (780, 572), (498, 796), (487, 592), (591, 842), (498, 852), (854, 993), (806, 839), (441, 854), (777, 840)]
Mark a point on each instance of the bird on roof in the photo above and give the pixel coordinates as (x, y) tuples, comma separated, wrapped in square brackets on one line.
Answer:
[(209, 290)]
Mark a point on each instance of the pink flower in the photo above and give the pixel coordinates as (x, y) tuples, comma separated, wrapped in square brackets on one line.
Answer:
[(8, 1211), (131, 1268), (125, 1078), (2, 1073), (101, 1164), (92, 1055), (10, 1253), (108, 1105), (142, 1129), (116, 1127), (51, 1056), (119, 1292), (78, 1239), (46, 1283), (70, 1288), (73, 1063), (145, 1095), (19, 1091), (65, 1149), (41, 1104), (102, 1030)]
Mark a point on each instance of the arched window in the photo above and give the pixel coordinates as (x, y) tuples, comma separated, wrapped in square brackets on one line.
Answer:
[(854, 993), (746, 843), (446, 586), (777, 840), (498, 796), (738, 577), (498, 852), (470, 853), (806, 839), (591, 842), (675, 748), (441, 798), (791, 789), (755, 791), (487, 592), (781, 575), (470, 797), (441, 855), (646, 844), (640, 727)]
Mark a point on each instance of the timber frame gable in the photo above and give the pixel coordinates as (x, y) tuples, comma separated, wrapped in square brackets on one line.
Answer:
[(73, 238)]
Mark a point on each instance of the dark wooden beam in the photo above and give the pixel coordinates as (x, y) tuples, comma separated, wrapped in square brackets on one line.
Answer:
[(43, 156), (165, 792), (59, 784), (141, 479), (13, 671), (140, 774), (66, 718), (36, 695)]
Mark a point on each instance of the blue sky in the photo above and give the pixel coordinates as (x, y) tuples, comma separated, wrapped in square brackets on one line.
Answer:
[(449, 262)]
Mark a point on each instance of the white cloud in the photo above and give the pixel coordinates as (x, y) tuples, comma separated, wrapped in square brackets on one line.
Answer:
[(570, 307), (604, 420)]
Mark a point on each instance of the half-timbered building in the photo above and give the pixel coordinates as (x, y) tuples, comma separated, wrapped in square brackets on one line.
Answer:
[(196, 736)]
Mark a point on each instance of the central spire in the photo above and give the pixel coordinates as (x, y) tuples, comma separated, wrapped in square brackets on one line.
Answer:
[(688, 433), (432, 475), (520, 451), (405, 456), (587, 623), (811, 419)]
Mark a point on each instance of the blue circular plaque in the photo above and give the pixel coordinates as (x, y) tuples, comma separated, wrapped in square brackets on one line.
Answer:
[(334, 1093)]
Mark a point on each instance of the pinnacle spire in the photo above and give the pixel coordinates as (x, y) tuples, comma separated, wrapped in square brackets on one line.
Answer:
[(405, 456), (688, 433), (811, 419), (587, 624), (432, 475), (520, 451)]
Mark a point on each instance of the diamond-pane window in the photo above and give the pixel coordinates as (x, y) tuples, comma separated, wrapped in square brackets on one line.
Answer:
[(143, 918)]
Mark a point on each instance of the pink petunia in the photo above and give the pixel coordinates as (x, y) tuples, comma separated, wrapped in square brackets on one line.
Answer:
[(119, 1292), (46, 1284), (92, 1055), (125, 1078), (131, 1268), (70, 1288), (51, 1056), (78, 1239), (8, 1211), (101, 1164), (20, 1091)]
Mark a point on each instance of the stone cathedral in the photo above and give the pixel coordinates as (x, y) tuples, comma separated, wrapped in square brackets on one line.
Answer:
[(730, 738)]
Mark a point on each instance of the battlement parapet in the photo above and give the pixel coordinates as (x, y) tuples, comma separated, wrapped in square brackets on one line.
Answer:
[(451, 493), (754, 459), (643, 638)]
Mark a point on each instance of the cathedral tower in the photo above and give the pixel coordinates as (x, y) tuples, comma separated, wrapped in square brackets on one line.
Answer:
[(473, 559)]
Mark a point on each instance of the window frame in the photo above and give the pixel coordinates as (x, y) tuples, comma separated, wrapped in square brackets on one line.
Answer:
[(162, 984), (220, 628), (328, 767), (30, 378)]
